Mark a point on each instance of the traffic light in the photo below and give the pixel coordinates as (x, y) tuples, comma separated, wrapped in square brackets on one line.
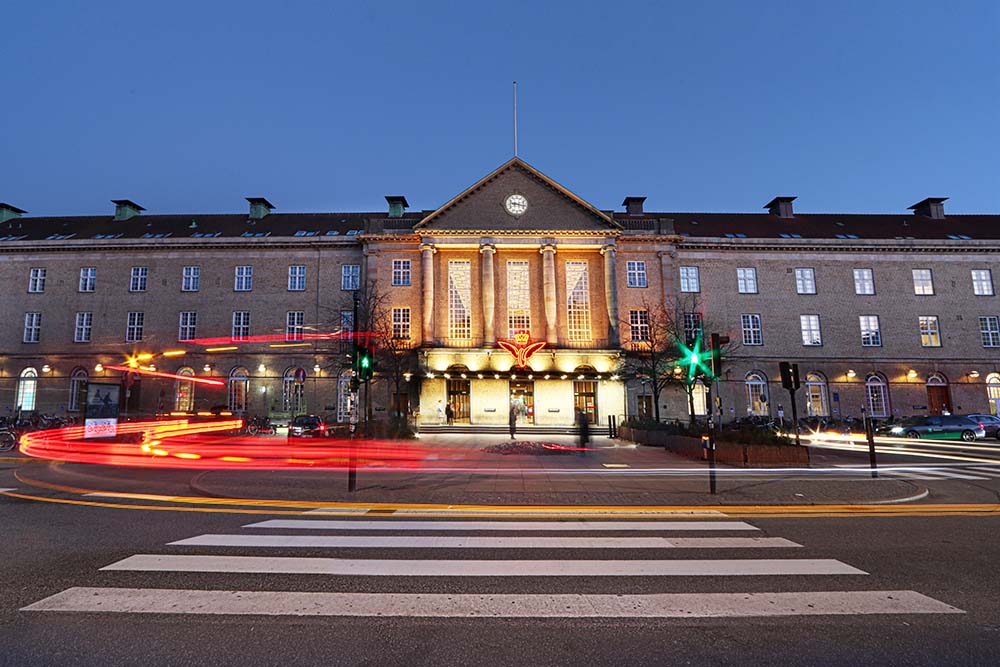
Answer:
[(365, 363), (694, 358), (789, 375), (717, 342)]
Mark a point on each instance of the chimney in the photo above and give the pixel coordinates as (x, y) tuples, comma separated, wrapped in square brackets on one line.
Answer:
[(397, 204), (259, 207), (125, 209), (932, 207), (781, 207), (633, 205), (9, 212)]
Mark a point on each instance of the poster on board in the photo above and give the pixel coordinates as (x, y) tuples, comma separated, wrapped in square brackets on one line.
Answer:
[(101, 417)]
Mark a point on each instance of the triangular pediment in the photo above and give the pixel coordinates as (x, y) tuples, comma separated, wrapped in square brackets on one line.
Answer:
[(550, 206)]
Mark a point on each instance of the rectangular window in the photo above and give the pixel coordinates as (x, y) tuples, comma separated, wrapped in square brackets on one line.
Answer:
[(241, 325), (346, 327), (930, 334), (32, 327), (350, 276), (864, 281), (459, 299), (133, 327), (989, 327), (805, 281), (518, 297), (400, 272), (923, 282), (982, 282), (295, 322), (88, 279), (639, 323), (690, 282), (810, 330), (296, 278), (36, 281), (187, 325), (636, 274), (692, 328), (190, 278), (401, 323), (244, 279), (578, 301), (751, 330), (871, 334), (81, 332), (746, 280), (137, 283)]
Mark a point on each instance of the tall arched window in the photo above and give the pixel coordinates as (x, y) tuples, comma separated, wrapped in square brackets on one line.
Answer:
[(77, 389), (292, 390), (239, 387), (878, 395), (184, 390), (756, 393), (817, 404), (993, 392), (27, 388), (699, 394)]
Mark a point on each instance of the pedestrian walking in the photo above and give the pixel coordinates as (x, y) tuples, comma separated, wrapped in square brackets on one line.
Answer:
[(513, 419), (449, 413), (583, 426), (440, 412)]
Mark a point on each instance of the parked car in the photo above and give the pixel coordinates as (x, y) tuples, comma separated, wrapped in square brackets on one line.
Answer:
[(940, 427), (990, 422), (307, 426)]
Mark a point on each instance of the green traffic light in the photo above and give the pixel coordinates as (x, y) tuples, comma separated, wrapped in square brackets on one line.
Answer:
[(365, 362)]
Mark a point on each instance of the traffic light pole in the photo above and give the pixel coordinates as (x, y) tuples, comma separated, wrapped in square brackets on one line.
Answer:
[(711, 442), (352, 465)]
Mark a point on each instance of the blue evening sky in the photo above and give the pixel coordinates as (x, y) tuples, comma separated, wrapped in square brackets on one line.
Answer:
[(860, 106)]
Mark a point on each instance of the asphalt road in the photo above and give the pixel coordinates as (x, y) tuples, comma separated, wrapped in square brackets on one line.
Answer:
[(51, 548)]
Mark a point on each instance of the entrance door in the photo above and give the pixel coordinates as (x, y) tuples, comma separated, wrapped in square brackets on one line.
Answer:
[(938, 400), (645, 407), (585, 399), (458, 397), (522, 394)]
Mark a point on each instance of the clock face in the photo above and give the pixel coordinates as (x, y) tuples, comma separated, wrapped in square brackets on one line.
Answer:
[(515, 204)]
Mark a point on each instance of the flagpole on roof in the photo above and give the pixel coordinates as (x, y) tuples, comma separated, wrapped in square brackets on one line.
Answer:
[(515, 119)]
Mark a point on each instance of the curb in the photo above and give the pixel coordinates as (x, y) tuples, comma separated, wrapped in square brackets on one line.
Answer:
[(15, 459)]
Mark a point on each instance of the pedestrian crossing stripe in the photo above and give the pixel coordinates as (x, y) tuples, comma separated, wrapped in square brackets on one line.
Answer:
[(582, 525)]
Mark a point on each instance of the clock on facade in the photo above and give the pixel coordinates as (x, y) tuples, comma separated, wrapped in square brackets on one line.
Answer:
[(515, 204)]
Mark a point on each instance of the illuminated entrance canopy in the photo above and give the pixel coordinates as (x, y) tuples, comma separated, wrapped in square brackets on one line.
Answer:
[(521, 348)]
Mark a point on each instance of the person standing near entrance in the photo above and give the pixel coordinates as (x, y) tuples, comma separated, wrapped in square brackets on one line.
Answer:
[(513, 419), (583, 424), (449, 413), (440, 412)]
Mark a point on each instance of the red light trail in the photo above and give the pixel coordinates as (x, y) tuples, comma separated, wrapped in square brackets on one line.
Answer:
[(189, 378)]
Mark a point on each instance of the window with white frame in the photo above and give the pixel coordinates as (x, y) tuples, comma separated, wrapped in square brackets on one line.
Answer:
[(293, 391), (871, 334), (244, 279), (187, 325), (350, 277), (88, 279), (400, 272), (239, 387), (638, 320), (295, 324), (756, 388), (32, 327), (923, 282), (346, 327), (184, 390), (878, 396), (805, 281), (578, 301), (36, 281), (401, 323), (27, 389), (690, 281), (746, 280), (817, 404), (241, 325), (989, 329), (133, 327), (930, 333), (77, 389), (692, 328), (344, 397), (699, 397), (864, 281), (751, 329), (296, 278), (982, 282), (190, 278), (459, 298), (137, 281), (518, 297), (635, 272), (811, 334), (82, 327), (993, 393)]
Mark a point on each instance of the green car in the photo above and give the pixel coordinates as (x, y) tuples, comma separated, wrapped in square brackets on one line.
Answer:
[(940, 427)]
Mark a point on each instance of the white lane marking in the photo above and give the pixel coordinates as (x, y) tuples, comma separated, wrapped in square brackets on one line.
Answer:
[(391, 524), (948, 474), (482, 568), (449, 542), (663, 605), (904, 474), (561, 511), (339, 510)]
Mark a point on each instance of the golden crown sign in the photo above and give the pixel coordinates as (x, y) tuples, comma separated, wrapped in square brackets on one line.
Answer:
[(522, 348)]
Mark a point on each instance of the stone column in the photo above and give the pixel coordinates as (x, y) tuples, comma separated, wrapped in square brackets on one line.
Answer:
[(487, 250), (611, 293), (548, 251), (427, 278)]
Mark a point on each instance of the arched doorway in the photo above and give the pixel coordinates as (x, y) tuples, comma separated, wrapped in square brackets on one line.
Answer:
[(293, 390), (877, 394), (239, 387), (585, 392), (27, 390), (77, 389), (184, 391), (459, 392), (756, 387), (938, 396), (817, 404)]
